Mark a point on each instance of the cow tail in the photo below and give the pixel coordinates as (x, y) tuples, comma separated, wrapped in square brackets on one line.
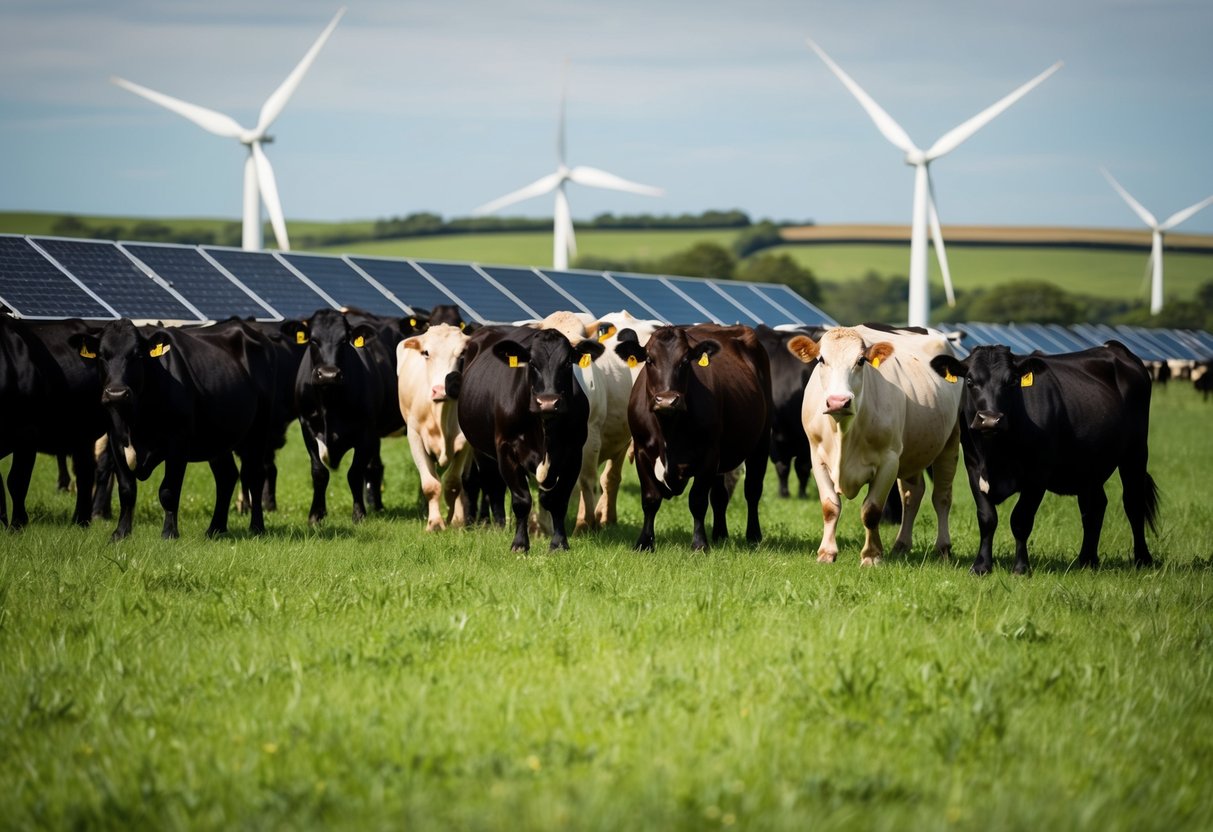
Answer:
[(1151, 500)]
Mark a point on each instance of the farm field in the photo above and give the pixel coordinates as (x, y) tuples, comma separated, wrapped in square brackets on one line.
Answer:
[(374, 676)]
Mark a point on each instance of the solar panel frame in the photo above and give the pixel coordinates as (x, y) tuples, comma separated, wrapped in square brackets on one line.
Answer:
[(1177, 346), (288, 299), (465, 280), (1200, 341), (551, 298), (396, 275), (257, 308), (795, 305), (714, 301), (116, 277), (665, 308), (756, 301), (601, 299), (16, 297), (1076, 340), (382, 301)]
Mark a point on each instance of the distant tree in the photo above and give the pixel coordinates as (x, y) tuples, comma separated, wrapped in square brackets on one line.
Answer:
[(700, 260), (757, 237), (781, 268), (1023, 302), (152, 232), (70, 226), (871, 298)]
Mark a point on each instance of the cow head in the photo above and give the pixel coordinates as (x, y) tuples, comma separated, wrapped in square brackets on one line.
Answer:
[(843, 358), (442, 347), (994, 380), (124, 358), (331, 343), (548, 362), (668, 359)]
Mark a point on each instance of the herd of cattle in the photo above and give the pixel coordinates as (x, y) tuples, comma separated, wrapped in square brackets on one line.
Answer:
[(564, 402)]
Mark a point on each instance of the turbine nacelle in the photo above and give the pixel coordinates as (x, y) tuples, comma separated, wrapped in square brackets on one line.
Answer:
[(916, 157)]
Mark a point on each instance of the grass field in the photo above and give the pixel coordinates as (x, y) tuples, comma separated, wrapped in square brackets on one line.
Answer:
[(374, 676)]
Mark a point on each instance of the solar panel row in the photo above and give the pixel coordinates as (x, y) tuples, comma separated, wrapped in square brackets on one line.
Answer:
[(53, 277), (1148, 344)]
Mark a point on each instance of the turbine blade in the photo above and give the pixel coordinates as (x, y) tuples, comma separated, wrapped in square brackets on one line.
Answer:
[(884, 122), (595, 178), (1145, 215), (269, 195), (1181, 216), (208, 120), (564, 223), (937, 239), (537, 188), (953, 138), (274, 104)]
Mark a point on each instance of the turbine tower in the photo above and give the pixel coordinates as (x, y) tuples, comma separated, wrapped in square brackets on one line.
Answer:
[(1157, 230), (563, 241), (924, 197), (259, 184)]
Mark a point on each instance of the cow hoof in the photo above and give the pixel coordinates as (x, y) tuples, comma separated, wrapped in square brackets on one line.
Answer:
[(1145, 562), (1020, 569), (900, 550), (870, 561), (826, 557), (435, 526), (214, 532), (644, 546), (520, 549), (981, 569)]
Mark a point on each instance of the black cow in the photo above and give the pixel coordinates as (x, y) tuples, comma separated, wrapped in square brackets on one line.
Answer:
[(1202, 378), (49, 402), (178, 396), (1060, 423), (700, 408), (789, 375), (524, 414), (345, 392)]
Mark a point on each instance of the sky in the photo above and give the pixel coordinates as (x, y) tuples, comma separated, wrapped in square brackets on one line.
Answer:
[(442, 106)]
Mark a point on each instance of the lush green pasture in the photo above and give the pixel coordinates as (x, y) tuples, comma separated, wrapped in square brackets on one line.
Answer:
[(379, 677)]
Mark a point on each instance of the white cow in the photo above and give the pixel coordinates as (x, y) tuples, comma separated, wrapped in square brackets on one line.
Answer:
[(439, 449), (875, 412)]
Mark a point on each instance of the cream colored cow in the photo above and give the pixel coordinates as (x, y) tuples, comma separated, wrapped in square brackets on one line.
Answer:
[(875, 412), (440, 452)]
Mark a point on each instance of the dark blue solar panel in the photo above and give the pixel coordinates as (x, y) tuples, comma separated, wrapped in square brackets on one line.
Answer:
[(410, 286), (1144, 337), (531, 289), (102, 267), (670, 306), (806, 312), (273, 282), (342, 283), (1074, 341), (701, 291), (487, 301), (1199, 342), (744, 294), (33, 287), (593, 291), (196, 278)]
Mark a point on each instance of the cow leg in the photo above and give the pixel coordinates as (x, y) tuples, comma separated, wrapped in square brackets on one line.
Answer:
[(782, 472), (831, 509), (170, 495), (697, 501), (64, 482), (719, 496), (269, 491), (431, 486), (612, 476), (943, 472), (103, 480), (252, 481), (1140, 500), (128, 493), (555, 504), (587, 485), (513, 475), (84, 466), (452, 488), (223, 468), (910, 490), (987, 524), (873, 507), (320, 479), (1023, 518), (755, 474), (373, 477), (18, 484), (356, 477), (650, 502), (804, 470), (1092, 504)]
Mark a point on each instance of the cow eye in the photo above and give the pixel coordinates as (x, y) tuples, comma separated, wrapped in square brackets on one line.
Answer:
[(425, 353)]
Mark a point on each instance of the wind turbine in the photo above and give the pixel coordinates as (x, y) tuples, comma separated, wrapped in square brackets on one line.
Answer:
[(259, 184), (1157, 229), (563, 241), (924, 196)]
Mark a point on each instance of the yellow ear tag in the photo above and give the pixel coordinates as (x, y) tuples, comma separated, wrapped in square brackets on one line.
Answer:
[(359, 342), (632, 362), (412, 322), (1026, 380), (948, 377), (602, 336), (876, 362), (586, 361), (703, 360), (513, 361), (301, 337), (159, 350), (462, 325), (85, 353)]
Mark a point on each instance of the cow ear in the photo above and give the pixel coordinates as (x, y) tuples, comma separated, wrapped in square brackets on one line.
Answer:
[(85, 343), (878, 352), (411, 344), (295, 331), (629, 349), (804, 348), (1028, 369), (158, 344), (628, 334), (511, 353), (702, 352), (413, 325), (605, 330), (949, 368), (361, 334)]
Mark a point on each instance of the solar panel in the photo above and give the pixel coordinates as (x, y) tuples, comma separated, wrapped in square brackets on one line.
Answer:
[(670, 305), (1074, 341), (805, 312), (489, 302), (719, 306), (33, 287), (277, 285), (745, 294), (411, 287), (1039, 338), (114, 277), (1201, 342), (532, 289), (596, 294), (195, 278), (343, 283)]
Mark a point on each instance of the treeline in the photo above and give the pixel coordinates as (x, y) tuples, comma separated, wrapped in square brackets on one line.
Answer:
[(149, 231)]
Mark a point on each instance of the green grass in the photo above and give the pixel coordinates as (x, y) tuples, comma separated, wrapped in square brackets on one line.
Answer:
[(379, 677)]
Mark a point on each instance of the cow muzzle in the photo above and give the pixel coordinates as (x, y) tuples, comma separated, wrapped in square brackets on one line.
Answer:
[(438, 393), (988, 421), (116, 394), (549, 404), (839, 405), (669, 401), (327, 375)]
